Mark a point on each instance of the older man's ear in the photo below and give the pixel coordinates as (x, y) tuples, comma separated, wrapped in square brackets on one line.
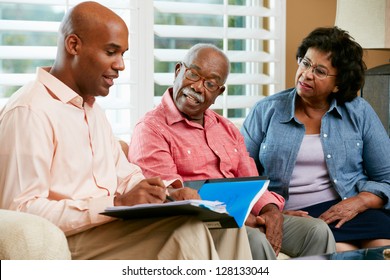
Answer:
[(177, 68), (222, 89)]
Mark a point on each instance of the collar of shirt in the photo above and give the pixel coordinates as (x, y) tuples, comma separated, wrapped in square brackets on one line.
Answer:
[(290, 110), (58, 89)]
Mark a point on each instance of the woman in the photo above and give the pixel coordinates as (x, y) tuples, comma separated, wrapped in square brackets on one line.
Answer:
[(323, 147)]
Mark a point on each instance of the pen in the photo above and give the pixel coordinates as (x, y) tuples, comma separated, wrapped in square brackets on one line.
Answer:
[(169, 198)]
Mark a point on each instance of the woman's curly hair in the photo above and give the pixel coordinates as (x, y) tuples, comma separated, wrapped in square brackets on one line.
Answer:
[(345, 54)]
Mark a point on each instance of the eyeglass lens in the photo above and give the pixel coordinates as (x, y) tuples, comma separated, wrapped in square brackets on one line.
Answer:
[(319, 72), (211, 86)]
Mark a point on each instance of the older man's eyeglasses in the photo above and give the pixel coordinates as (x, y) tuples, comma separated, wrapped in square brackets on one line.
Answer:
[(318, 71), (192, 76)]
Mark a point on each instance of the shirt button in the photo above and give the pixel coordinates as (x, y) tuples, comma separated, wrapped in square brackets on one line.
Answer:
[(328, 156), (345, 197), (189, 152), (216, 152), (325, 135), (358, 144), (335, 181), (235, 150)]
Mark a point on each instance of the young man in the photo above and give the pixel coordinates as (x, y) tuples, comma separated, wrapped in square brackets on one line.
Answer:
[(60, 160), (188, 140)]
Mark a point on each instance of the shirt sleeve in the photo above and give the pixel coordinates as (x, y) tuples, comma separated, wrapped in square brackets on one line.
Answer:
[(26, 174), (128, 174), (268, 198), (376, 144), (251, 131)]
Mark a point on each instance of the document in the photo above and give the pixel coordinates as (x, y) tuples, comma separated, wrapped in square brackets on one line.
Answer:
[(225, 203)]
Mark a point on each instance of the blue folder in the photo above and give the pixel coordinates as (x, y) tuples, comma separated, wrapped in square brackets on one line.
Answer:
[(238, 194)]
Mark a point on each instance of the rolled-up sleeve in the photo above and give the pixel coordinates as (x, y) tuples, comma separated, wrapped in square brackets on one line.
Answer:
[(268, 198)]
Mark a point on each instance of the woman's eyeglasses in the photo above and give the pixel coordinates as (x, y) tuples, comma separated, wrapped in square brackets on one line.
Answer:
[(318, 71)]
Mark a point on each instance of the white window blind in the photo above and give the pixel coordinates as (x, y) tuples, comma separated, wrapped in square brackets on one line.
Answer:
[(28, 39), (251, 32)]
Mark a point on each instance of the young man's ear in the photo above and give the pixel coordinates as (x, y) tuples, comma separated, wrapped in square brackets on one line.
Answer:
[(72, 44)]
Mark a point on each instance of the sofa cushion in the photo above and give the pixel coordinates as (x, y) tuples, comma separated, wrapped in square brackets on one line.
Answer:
[(29, 237)]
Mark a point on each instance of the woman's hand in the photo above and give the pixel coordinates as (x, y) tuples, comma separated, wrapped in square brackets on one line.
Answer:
[(348, 208)]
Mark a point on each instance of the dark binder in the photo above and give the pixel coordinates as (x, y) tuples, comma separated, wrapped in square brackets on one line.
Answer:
[(211, 218), (238, 195)]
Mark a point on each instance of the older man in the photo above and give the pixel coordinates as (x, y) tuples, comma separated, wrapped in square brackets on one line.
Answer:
[(186, 139)]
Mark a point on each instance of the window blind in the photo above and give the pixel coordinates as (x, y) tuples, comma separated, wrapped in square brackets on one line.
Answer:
[(250, 32), (28, 39)]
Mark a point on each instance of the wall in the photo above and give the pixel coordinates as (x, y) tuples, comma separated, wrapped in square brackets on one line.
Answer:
[(305, 15)]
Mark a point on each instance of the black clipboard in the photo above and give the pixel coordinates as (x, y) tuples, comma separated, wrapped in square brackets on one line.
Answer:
[(211, 218)]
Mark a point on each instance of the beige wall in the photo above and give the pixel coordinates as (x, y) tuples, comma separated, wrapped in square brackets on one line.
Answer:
[(305, 15)]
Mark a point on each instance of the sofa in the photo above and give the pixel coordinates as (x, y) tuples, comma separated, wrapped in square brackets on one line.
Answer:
[(29, 237), (25, 236)]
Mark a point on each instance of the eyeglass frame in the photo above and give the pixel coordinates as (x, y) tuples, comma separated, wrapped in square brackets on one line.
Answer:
[(199, 78), (313, 68)]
